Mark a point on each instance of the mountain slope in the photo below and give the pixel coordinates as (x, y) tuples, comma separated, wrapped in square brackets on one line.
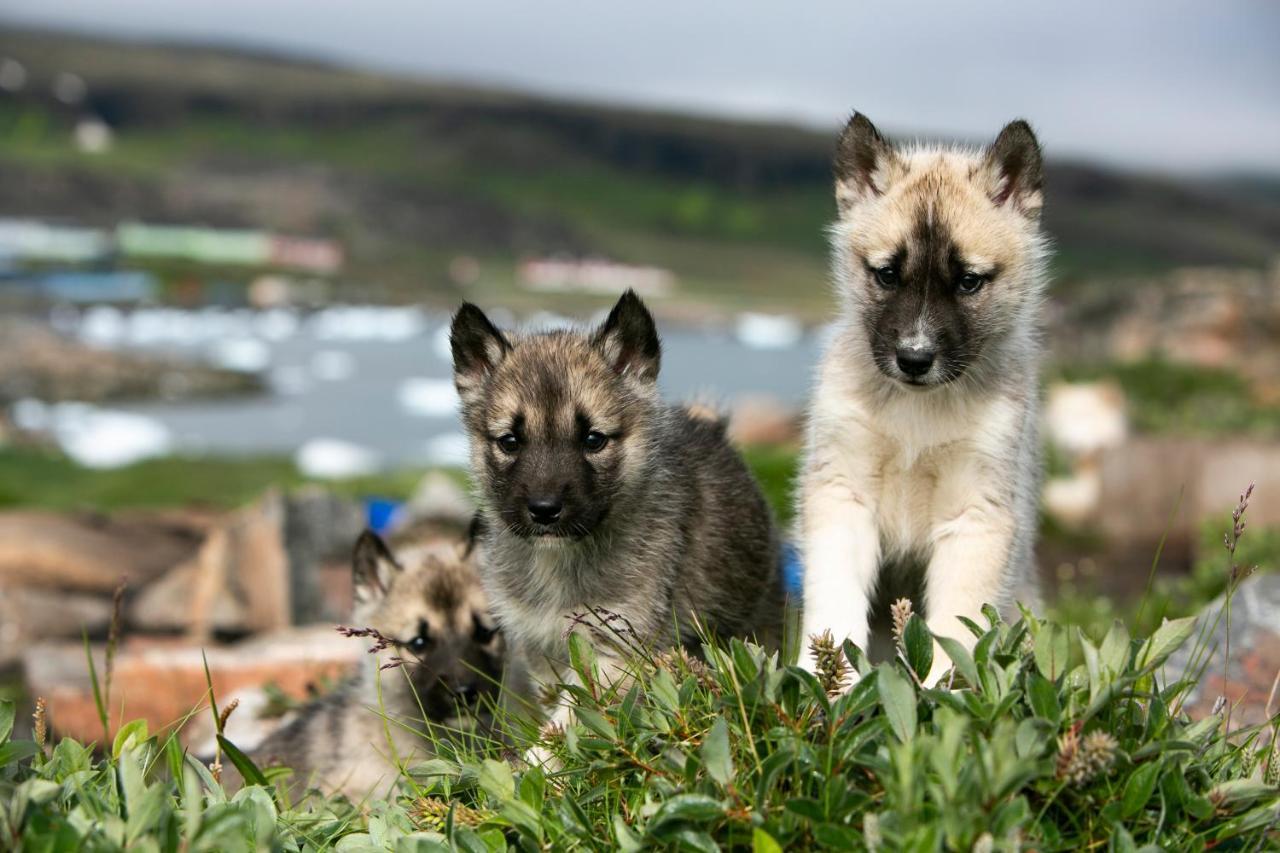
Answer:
[(410, 173)]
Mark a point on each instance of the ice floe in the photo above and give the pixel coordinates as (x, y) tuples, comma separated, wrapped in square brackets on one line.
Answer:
[(335, 459), (768, 331), (450, 449), (365, 323), (245, 355), (332, 365), (101, 438), (428, 398)]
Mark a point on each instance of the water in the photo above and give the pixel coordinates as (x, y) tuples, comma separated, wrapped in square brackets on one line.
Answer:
[(381, 383)]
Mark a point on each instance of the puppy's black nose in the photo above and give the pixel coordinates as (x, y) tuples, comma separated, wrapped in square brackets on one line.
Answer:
[(914, 362), (545, 510), (467, 694)]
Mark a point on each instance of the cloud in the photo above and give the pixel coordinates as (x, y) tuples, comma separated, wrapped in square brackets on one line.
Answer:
[(1166, 84)]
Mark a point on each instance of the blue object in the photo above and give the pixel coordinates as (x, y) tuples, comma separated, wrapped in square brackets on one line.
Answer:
[(93, 286), (792, 571), (381, 514)]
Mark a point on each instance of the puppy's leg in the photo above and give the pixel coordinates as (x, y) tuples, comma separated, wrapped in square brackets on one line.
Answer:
[(967, 570), (612, 671), (841, 556)]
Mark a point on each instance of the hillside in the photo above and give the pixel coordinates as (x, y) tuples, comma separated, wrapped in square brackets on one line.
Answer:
[(409, 174)]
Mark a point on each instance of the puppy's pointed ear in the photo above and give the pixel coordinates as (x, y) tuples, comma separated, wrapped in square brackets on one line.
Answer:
[(1015, 171), (865, 163), (372, 568), (629, 339), (478, 347), (475, 533)]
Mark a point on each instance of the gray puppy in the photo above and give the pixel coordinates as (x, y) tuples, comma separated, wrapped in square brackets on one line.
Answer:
[(607, 510)]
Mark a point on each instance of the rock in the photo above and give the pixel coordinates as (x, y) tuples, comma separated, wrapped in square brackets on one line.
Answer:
[(164, 682), (36, 362), (439, 496), (438, 508), (1228, 466), (1074, 500), (761, 420), (1142, 479), (238, 582), (32, 614), (260, 566), (318, 527), (1083, 418), (192, 597), (1206, 316), (1249, 682), (91, 552)]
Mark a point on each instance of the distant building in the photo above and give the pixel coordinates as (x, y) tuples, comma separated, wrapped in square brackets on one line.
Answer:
[(229, 247), (93, 287), (31, 240), (594, 276), (203, 245), (305, 253)]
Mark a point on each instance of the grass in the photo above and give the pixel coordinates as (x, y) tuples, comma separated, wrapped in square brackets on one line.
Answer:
[(1042, 737), (1047, 736), (45, 479), (1039, 739), (34, 478)]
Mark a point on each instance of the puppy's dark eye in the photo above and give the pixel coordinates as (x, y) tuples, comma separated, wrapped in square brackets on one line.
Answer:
[(595, 441), (970, 282), (508, 443), (483, 633), (887, 276), (419, 644)]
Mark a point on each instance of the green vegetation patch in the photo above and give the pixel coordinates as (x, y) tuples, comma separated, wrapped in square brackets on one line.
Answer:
[(45, 479), (1169, 397), (1038, 739)]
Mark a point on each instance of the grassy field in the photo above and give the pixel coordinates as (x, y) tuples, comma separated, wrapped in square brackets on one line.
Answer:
[(1038, 739), (38, 479)]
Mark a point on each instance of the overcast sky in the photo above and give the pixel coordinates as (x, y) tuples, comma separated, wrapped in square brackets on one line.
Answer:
[(1165, 84)]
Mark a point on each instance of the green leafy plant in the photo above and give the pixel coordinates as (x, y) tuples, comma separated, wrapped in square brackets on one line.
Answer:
[(1039, 738)]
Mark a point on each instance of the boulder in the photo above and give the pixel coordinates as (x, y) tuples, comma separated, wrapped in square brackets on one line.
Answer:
[(1084, 418), (32, 614), (36, 362), (1141, 481), (761, 420), (93, 553), (163, 681), (1249, 681), (238, 582), (319, 527)]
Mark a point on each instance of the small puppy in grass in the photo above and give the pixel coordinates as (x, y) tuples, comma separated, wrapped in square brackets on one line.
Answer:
[(921, 469), (436, 674), (607, 510)]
